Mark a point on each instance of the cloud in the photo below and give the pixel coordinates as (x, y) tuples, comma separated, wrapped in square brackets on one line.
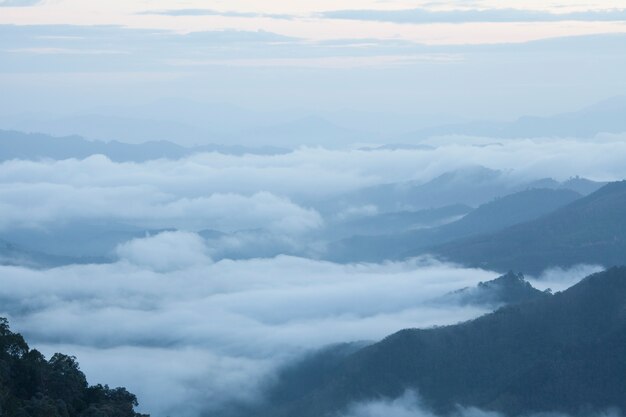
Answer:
[(188, 334), (367, 210), (454, 82), (285, 195), (424, 16), (210, 334), (559, 279), (149, 44), (166, 251), (186, 188), (407, 405), (42, 202), (410, 405), (333, 62), (259, 243), (66, 51), (211, 12), (19, 3)]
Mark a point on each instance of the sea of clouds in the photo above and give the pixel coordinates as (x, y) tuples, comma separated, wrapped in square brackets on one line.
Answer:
[(228, 192), (189, 334), (186, 334)]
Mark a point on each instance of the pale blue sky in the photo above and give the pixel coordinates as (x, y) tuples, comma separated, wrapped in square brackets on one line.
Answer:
[(407, 62), (438, 22)]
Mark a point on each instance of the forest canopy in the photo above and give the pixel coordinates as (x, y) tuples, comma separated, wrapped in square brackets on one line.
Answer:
[(32, 386)]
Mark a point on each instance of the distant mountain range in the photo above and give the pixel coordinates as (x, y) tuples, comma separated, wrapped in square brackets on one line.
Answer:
[(394, 222), (75, 240), (472, 186), (590, 230), (475, 237), (604, 117), (252, 133), (33, 146), (190, 123), (563, 353), (11, 254), (489, 217)]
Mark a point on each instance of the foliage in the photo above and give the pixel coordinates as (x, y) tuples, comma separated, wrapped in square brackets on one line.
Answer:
[(591, 230), (31, 386)]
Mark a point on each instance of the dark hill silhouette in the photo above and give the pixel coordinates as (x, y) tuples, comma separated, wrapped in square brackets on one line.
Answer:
[(590, 230), (313, 369), (510, 288), (563, 353), (32, 386)]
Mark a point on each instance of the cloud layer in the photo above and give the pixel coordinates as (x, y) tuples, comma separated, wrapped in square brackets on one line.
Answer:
[(409, 405), (423, 15), (229, 193), (186, 334), (180, 329)]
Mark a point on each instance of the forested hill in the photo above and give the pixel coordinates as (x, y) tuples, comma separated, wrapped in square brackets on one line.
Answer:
[(31, 386), (590, 230), (562, 353)]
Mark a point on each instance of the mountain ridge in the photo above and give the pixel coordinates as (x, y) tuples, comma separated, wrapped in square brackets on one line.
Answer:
[(490, 217), (562, 353), (603, 117), (34, 146), (590, 230)]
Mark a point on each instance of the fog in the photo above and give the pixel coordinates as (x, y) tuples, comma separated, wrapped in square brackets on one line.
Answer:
[(198, 191), (185, 334), (559, 279), (298, 203), (188, 334), (410, 405), (219, 285)]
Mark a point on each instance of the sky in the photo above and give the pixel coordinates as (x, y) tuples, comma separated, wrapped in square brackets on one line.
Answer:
[(412, 63), (444, 22)]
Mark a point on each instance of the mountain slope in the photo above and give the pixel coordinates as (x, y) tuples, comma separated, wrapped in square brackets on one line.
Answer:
[(510, 288), (395, 222), (563, 353), (590, 230), (473, 186), (495, 215)]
